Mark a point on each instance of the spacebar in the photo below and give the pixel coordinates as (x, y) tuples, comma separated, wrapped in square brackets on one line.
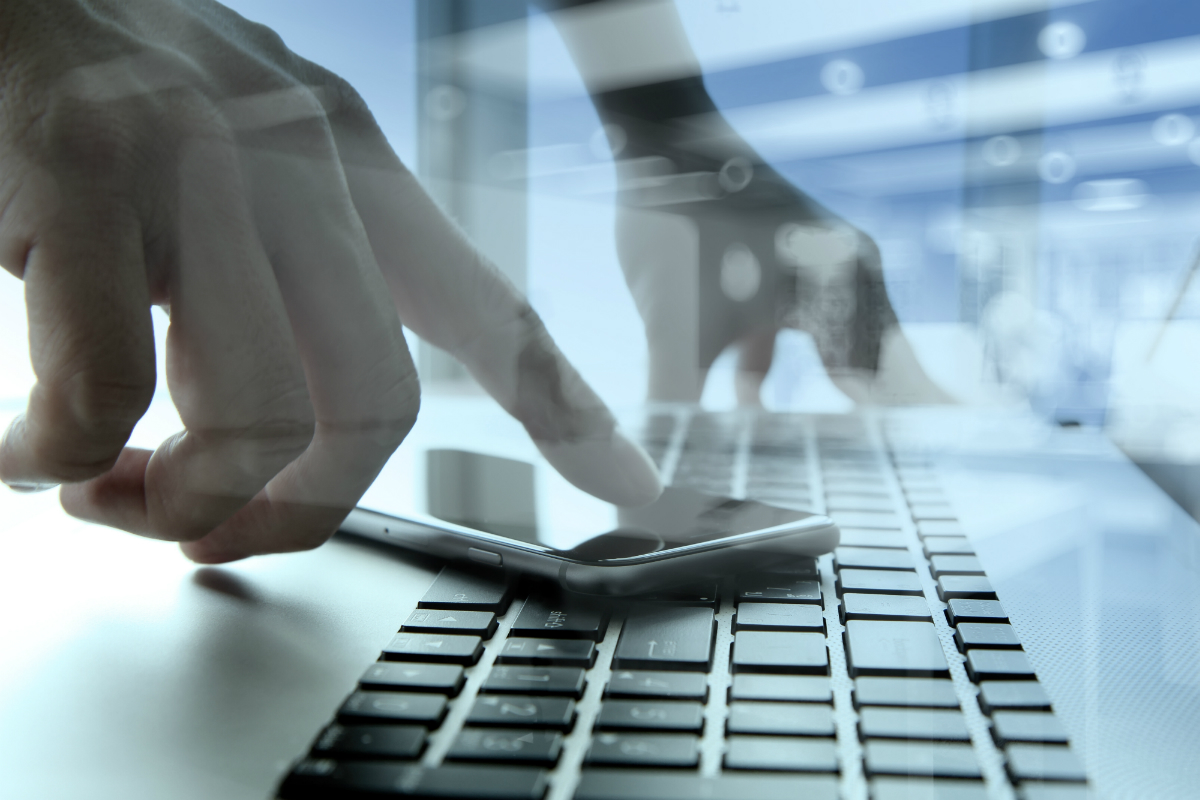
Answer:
[(628, 785)]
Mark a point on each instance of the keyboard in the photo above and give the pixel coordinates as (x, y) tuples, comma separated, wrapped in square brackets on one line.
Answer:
[(887, 669)]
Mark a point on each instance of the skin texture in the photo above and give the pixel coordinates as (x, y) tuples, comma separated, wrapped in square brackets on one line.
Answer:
[(169, 152)]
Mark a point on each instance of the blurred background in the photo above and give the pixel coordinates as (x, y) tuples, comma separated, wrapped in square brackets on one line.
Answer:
[(1029, 169)]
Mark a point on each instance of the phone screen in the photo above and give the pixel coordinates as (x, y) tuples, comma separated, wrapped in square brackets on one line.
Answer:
[(532, 504)]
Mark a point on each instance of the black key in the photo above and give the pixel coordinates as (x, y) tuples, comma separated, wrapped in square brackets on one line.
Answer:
[(975, 587), (866, 519), (983, 665), (781, 753), (883, 606), (916, 789), (370, 741), (509, 746), (948, 546), (796, 719), (663, 715), (1044, 762), (899, 648), (855, 537), (444, 678), (522, 710), (986, 634), (789, 688), (639, 683), (796, 566), (913, 723), (975, 611), (706, 593), (937, 692), (930, 759), (939, 527), (778, 616), (645, 749), (779, 651), (873, 558), (455, 589), (568, 681), (778, 589), (1013, 695), (955, 565), (666, 638), (1027, 726), (624, 784), (549, 618), (435, 620), (319, 779), (427, 709), (880, 581), (566, 652), (439, 647)]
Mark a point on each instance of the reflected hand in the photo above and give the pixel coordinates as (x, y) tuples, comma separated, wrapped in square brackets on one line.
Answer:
[(169, 152), (726, 252)]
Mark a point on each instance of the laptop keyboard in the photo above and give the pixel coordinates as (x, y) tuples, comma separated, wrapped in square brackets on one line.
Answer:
[(885, 670)]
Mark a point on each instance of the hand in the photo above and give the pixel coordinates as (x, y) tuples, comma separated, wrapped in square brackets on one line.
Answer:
[(170, 152), (725, 251)]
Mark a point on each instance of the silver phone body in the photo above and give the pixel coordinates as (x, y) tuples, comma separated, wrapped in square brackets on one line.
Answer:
[(794, 534)]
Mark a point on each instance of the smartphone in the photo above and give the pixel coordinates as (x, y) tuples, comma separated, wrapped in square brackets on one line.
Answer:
[(489, 510)]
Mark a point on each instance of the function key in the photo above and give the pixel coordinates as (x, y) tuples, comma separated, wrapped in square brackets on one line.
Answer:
[(1039, 762), (467, 590), (985, 665), (647, 683), (913, 723), (778, 589), (510, 746), (883, 606), (963, 610), (794, 719), (321, 778), (1012, 694), (879, 581), (986, 634), (567, 681), (921, 759), (437, 647), (663, 715), (971, 587), (955, 565), (426, 709), (433, 620), (873, 558), (645, 749), (370, 741), (787, 688), (778, 616), (938, 692), (565, 652), (674, 638), (444, 678), (901, 648), (855, 537), (1027, 726), (780, 753), (521, 710), (548, 617), (779, 651), (948, 545)]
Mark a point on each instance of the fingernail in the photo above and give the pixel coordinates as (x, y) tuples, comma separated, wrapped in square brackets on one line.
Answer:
[(29, 487)]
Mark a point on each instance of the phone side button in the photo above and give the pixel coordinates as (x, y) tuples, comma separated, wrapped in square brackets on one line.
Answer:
[(485, 557)]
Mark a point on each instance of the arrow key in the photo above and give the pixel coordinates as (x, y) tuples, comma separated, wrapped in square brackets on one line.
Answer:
[(564, 652), (433, 620), (566, 681), (426, 709), (528, 712), (437, 647)]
